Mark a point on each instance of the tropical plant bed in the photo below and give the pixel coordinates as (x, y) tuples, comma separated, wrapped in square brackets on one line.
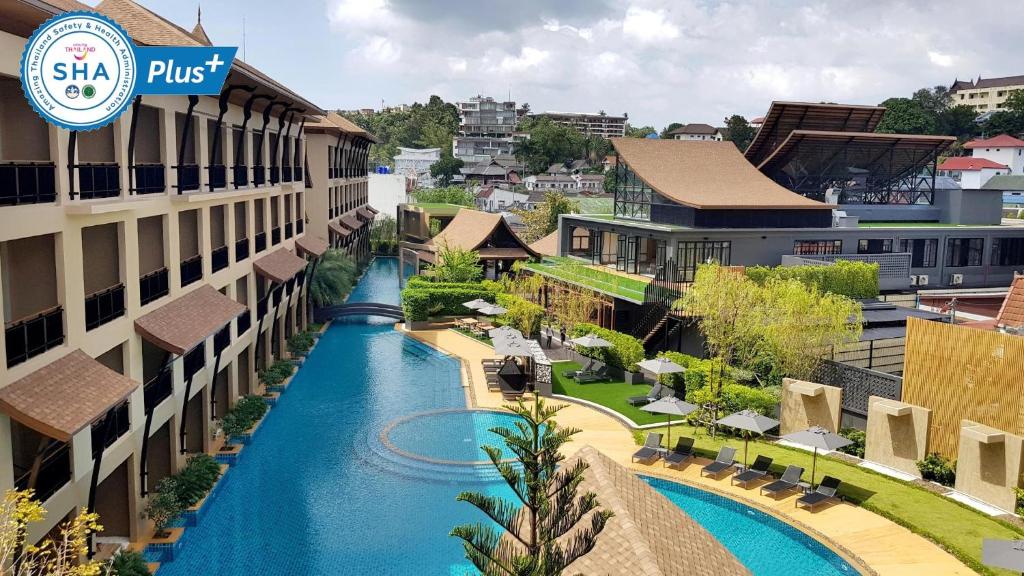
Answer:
[(477, 337), (612, 394)]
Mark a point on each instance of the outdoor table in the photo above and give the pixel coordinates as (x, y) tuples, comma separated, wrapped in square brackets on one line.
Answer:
[(805, 487), (470, 321)]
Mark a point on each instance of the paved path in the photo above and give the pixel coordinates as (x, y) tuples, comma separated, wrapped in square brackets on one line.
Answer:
[(887, 548)]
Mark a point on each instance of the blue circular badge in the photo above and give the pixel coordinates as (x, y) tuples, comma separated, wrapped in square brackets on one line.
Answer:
[(78, 70)]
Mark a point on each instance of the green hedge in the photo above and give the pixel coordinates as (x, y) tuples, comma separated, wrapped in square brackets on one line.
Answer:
[(246, 412), (852, 279), (624, 353), (423, 299), (522, 314)]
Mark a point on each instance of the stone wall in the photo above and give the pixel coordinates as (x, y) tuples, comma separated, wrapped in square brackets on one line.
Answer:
[(897, 434), (988, 466), (806, 404)]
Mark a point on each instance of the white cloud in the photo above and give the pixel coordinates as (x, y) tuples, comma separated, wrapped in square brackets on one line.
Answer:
[(529, 57), (648, 25), (457, 64), (940, 59), (352, 14), (554, 26), (381, 49)]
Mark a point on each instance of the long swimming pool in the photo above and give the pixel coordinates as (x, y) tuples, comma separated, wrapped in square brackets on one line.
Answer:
[(320, 490)]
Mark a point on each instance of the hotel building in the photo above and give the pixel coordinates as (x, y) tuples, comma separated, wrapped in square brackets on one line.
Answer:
[(151, 267)]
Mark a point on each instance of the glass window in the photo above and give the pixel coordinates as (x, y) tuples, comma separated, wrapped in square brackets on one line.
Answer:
[(964, 251), (874, 246), (922, 251), (632, 195), (1008, 252), (689, 255), (805, 247)]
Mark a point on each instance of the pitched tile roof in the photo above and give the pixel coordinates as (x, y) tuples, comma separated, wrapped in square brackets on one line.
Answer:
[(471, 230), (65, 396), (362, 211), (1012, 312), (312, 245), (351, 221), (989, 82), (1000, 141), (706, 174), (969, 163), (181, 324), (547, 246), (280, 265), (694, 129), (339, 229)]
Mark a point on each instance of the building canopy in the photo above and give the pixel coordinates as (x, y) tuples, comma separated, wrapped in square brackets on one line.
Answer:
[(785, 117), (183, 323)]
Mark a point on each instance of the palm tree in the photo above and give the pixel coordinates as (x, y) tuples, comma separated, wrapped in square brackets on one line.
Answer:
[(333, 278), (531, 541)]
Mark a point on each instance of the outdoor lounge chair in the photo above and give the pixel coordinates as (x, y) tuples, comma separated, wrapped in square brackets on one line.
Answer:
[(757, 470), (575, 373), (725, 460), (651, 396), (825, 492), (790, 480), (651, 449), (595, 376), (681, 453)]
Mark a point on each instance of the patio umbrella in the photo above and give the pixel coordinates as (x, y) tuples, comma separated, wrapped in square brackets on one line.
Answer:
[(659, 366), (491, 310), (505, 332), (591, 341), (817, 437), (671, 406), (751, 422), (476, 304), (1008, 554)]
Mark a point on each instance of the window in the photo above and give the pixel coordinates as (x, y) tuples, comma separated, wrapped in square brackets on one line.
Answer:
[(1008, 252), (689, 255), (874, 246), (632, 195), (964, 251), (922, 251), (806, 247)]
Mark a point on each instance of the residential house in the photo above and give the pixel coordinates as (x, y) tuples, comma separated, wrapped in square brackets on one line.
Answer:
[(494, 198), (971, 173), (703, 132)]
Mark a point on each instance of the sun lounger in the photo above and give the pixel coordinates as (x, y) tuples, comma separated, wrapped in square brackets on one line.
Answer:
[(651, 396), (681, 453), (651, 449), (574, 373), (725, 460), (757, 470), (595, 376), (825, 492), (790, 481)]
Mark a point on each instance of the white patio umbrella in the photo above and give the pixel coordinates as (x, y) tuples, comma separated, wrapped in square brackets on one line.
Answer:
[(476, 304), (659, 366), (817, 437), (492, 310), (751, 422), (591, 341), (505, 332), (671, 406), (1008, 554)]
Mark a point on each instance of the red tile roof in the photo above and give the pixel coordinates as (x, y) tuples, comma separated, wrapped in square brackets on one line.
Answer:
[(1012, 312), (312, 245), (181, 324), (969, 163), (1001, 141)]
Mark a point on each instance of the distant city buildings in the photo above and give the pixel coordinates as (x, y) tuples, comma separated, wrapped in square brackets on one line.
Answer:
[(985, 95), (704, 132), (486, 129), (589, 124), (415, 163)]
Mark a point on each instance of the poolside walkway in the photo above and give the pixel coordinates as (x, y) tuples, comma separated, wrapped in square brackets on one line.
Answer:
[(885, 547)]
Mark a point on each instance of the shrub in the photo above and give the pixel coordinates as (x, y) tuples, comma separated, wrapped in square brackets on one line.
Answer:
[(522, 314), (624, 353), (277, 372), (163, 505), (333, 278), (196, 479), (300, 343), (852, 279), (735, 397), (314, 327), (1019, 493), (246, 412), (422, 299), (938, 468), (128, 563), (858, 437)]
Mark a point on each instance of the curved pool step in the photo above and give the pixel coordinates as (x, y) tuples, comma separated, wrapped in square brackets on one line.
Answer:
[(370, 449)]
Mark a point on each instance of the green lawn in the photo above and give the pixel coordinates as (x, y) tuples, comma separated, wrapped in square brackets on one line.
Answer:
[(610, 394), (563, 268), (440, 208)]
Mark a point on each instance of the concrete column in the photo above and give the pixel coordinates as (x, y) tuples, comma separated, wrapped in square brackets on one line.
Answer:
[(169, 148), (122, 132), (202, 149)]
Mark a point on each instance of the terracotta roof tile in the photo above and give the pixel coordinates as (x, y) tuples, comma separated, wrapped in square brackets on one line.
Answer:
[(312, 245), (180, 325), (280, 265), (969, 163), (1012, 312), (144, 26), (65, 396), (547, 246), (1001, 141)]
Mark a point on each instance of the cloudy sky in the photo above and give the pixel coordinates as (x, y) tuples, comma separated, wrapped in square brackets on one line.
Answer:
[(659, 61)]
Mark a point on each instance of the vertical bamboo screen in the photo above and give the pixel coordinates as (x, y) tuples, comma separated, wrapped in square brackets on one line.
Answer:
[(964, 373)]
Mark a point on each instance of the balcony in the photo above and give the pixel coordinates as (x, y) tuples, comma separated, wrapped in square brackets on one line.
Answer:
[(100, 440), (240, 175), (32, 336), (188, 177), (261, 242), (298, 174), (98, 180), (278, 292), (149, 178), (893, 268), (219, 258), (222, 339), (244, 322), (153, 285), (287, 229), (195, 360), (259, 176), (262, 306), (191, 270), (27, 183), (286, 173), (275, 175), (104, 306), (157, 389), (299, 225), (275, 236), (241, 249), (218, 176), (53, 473)]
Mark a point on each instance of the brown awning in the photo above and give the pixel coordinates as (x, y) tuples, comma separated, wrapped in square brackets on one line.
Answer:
[(339, 229), (502, 253), (65, 396), (351, 221), (312, 245), (280, 266), (362, 211), (179, 325)]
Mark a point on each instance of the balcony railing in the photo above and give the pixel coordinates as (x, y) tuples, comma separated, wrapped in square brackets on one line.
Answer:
[(188, 177), (32, 336), (98, 180), (149, 178), (222, 339), (243, 323), (261, 242), (153, 285), (195, 359), (241, 249), (299, 225), (287, 229), (275, 236), (218, 176), (240, 175), (298, 173), (332, 172), (259, 176), (100, 440), (27, 183), (157, 389), (53, 473), (219, 258), (191, 269), (104, 306), (286, 173), (278, 292), (275, 174)]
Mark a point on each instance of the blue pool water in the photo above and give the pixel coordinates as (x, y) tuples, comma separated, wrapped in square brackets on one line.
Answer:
[(318, 492), (764, 544)]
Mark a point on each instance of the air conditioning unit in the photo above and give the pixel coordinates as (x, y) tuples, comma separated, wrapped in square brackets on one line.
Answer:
[(913, 280), (922, 280), (956, 279)]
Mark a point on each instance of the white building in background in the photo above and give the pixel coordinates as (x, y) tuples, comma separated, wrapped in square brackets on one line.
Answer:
[(996, 156), (387, 192), (1002, 149), (496, 199), (415, 163)]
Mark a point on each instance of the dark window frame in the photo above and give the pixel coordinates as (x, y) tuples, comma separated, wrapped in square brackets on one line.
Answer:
[(817, 247)]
